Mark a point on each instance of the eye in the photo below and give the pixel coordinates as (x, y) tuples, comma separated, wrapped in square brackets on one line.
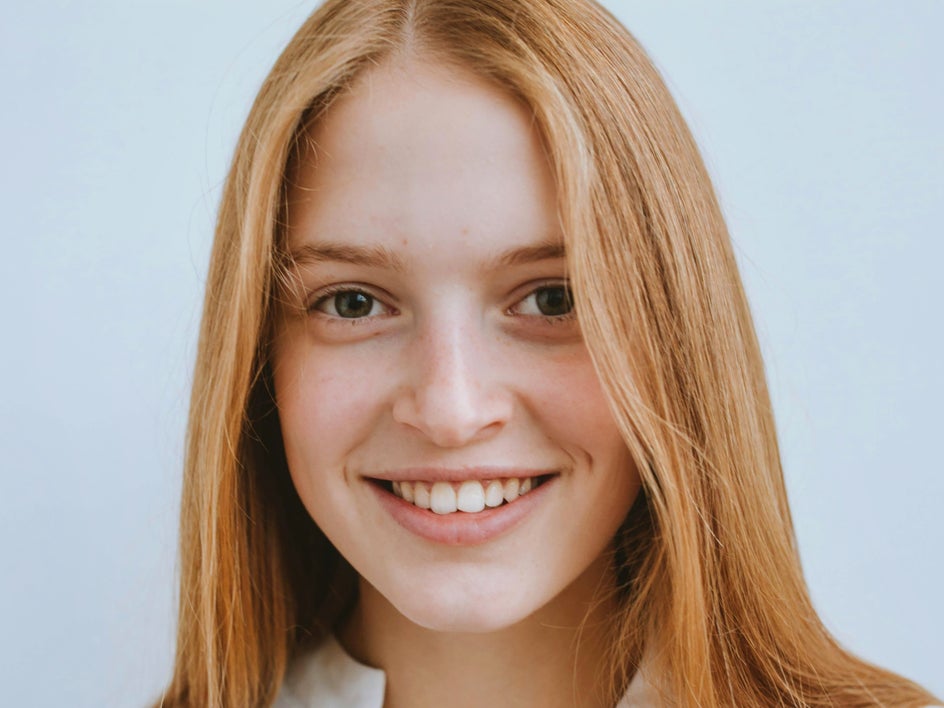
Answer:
[(349, 304), (547, 301)]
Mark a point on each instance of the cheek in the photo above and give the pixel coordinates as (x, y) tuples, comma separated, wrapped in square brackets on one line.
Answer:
[(329, 399), (573, 412), (566, 394)]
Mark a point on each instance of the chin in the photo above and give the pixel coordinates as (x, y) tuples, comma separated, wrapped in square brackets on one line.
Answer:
[(474, 613), (461, 620)]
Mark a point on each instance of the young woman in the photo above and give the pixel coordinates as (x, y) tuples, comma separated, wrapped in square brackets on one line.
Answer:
[(479, 416)]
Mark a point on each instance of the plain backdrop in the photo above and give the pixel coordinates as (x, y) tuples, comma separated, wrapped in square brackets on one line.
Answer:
[(820, 122)]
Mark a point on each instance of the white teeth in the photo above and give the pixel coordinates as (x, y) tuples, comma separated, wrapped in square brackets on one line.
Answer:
[(494, 494), (442, 498), (421, 495), (511, 489), (471, 497)]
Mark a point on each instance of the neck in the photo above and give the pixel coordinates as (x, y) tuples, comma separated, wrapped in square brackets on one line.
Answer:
[(557, 656)]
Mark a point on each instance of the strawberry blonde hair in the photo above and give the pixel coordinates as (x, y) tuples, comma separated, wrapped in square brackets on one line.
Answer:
[(710, 586)]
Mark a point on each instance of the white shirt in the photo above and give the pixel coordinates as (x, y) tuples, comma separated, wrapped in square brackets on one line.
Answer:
[(329, 678)]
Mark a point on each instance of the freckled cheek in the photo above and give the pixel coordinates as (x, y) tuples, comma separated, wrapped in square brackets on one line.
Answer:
[(329, 399), (566, 393)]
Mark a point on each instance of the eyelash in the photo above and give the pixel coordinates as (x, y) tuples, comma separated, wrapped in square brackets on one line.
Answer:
[(551, 319), (334, 290)]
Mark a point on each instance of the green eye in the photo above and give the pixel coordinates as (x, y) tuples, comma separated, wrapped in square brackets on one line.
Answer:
[(554, 301), (353, 304), (348, 304)]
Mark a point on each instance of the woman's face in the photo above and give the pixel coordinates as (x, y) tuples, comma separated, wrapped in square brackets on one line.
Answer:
[(434, 360)]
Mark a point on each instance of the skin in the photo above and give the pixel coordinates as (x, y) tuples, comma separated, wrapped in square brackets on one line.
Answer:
[(452, 365)]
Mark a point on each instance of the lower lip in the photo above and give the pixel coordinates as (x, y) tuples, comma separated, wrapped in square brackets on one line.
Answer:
[(461, 528)]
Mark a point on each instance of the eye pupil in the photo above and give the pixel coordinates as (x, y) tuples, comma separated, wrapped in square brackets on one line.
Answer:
[(554, 301), (353, 304)]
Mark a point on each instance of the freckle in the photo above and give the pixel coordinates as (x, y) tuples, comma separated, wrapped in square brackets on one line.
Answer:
[(405, 242)]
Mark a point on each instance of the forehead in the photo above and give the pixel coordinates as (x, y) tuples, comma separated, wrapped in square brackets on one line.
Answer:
[(418, 148)]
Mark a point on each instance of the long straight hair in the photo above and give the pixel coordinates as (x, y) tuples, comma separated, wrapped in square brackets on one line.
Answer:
[(710, 585)]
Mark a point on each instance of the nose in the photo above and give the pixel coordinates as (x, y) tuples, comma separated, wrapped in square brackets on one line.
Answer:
[(452, 394)]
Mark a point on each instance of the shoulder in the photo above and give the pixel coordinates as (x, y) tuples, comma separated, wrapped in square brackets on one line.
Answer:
[(642, 691), (327, 677)]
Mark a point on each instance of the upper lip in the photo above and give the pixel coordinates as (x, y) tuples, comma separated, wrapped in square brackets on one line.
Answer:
[(461, 474)]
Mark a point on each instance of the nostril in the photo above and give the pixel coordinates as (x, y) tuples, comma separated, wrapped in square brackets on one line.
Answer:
[(453, 426)]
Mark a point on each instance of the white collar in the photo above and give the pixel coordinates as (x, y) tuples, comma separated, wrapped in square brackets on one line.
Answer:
[(328, 678)]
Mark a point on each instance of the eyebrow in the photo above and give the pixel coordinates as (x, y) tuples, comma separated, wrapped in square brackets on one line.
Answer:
[(551, 250), (372, 256), (383, 257)]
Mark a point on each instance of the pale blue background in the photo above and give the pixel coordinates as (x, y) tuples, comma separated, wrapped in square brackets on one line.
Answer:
[(820, 122)]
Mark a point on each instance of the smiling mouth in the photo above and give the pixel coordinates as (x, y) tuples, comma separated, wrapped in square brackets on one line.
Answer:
[(470, 496)]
